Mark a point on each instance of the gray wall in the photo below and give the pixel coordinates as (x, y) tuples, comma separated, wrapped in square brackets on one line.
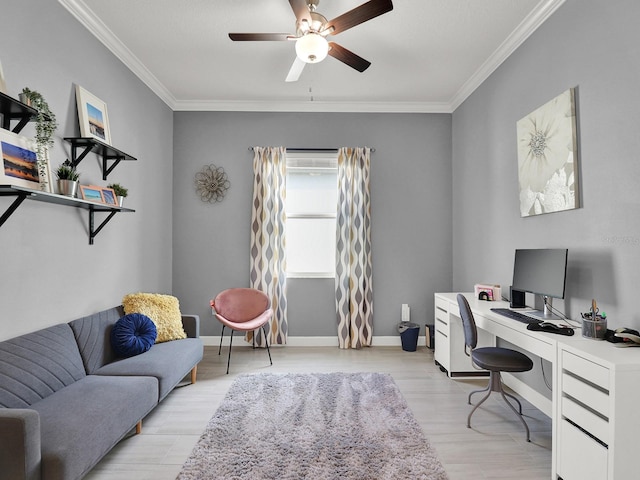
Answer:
[(49, 272), (594, 46), (411, 210)]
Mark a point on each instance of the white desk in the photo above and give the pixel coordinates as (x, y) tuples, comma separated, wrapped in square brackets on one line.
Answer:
[(595, 403)]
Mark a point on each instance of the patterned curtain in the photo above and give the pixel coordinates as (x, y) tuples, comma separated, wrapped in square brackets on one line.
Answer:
[(268, 259), (354, 294)]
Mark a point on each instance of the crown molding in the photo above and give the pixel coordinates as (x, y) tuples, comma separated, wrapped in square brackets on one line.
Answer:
[(530, 24), (524, 30), (311, 106), (91, 22)]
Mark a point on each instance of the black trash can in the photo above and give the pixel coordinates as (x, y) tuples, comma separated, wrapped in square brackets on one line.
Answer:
[(409, 332)]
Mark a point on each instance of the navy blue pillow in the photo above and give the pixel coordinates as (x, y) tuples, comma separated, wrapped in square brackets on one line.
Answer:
[(132, 335)]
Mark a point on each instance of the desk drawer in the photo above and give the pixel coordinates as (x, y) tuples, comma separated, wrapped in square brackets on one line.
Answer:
[(586, 419), (442, 304), (592, 372), (580, 457), (586, 393)]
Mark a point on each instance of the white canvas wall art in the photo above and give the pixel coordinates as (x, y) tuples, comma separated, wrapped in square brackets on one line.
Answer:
[(547, 157)]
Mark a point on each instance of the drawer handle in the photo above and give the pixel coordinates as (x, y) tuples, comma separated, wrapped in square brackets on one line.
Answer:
[(441, 309), (443, 334), (594, 438), (442, 321)]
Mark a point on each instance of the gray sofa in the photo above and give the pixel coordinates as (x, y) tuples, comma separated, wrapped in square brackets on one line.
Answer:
[(66, 400)]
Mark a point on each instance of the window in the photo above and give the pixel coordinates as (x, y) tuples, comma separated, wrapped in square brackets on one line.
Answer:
[(312, 195)]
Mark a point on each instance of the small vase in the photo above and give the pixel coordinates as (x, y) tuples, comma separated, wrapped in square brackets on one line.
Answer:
[(120, 200), (67, 187), (24, 99)]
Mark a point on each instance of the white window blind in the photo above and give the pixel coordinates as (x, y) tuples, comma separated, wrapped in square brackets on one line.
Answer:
[(312, 195)]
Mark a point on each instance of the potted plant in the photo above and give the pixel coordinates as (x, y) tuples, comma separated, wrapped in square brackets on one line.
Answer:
[(67, 179), (46, 125), (121, 192)]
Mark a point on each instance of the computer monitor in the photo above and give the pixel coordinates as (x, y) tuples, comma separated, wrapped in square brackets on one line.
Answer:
[(542, 272)]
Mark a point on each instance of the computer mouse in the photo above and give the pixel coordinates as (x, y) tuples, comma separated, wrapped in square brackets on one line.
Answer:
[(549, 326)]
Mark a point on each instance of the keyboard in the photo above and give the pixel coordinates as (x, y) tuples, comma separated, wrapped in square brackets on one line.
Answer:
[(520, 317)]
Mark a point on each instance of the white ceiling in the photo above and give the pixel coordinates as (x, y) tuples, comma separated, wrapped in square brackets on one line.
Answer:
[(426, 55)]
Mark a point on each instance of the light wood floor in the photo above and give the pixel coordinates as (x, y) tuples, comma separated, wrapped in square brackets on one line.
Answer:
[(494, 448)]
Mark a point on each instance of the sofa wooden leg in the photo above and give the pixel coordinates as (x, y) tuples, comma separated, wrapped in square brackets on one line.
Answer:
[(194, 371), (139, 427)]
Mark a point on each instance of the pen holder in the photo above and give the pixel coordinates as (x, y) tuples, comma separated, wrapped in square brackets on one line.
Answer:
[(594, 329)]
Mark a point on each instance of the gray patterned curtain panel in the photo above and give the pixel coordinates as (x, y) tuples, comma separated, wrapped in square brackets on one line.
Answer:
[(268, 258), (354, 293)]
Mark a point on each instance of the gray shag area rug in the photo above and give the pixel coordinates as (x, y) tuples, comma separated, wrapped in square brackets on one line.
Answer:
[(318, 426)]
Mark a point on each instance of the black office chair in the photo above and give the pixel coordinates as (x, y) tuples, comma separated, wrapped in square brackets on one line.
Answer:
[(494, 359)]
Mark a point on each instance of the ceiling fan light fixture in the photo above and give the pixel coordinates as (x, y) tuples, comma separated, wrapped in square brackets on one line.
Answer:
[(312, 48)]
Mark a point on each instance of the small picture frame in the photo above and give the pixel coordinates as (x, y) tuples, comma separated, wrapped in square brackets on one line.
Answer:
[(91, 193), (44, 174), (92, 115), (3, 83), (19, 160), (109, 196)]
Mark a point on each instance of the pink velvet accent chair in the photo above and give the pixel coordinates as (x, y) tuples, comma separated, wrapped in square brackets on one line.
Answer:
[(242, 309)]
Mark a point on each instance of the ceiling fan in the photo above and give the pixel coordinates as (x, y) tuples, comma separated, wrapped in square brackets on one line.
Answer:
[(312, 30)]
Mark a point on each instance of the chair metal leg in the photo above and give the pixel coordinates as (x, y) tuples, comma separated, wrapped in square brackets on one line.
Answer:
[(476, 407), (488, 387), (514, 398), (526, 427), (495, 385), (221, 335), (266, 342), (229, 358)]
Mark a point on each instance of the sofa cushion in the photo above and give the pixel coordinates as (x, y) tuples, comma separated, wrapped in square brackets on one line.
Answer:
[(93, 337), (169, 362), (132, 335), (35, 365), (164, 310), (82, 422)]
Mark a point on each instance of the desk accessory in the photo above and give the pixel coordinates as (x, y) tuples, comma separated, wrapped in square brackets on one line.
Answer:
[(550, 328), (487, 292), (594, 325)]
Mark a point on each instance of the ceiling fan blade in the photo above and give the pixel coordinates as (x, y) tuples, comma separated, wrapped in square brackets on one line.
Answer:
[(348, 57), (359, 15), (295, 71), (301, 10), (251, 37)]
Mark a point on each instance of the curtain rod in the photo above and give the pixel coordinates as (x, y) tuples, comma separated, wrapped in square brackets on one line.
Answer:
[(293, 149)]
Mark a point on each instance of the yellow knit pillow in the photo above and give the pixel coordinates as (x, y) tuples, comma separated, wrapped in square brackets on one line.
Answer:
[(164, 310)]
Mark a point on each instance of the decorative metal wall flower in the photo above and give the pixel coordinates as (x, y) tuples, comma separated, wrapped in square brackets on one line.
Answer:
[(212, 183), (547, 157)]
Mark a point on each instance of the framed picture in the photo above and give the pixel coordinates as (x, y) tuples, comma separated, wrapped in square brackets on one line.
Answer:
[(19, 160), (91, 193), (109, 196), (548, 157), (44, 175), (92, 114), (3, 83)]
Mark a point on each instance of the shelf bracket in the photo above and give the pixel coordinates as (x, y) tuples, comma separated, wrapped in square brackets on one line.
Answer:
[(106, 171), (94, 231), (12, 208), (75, 159)]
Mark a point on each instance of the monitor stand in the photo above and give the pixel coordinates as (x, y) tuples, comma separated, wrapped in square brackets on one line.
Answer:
[(546, 313)]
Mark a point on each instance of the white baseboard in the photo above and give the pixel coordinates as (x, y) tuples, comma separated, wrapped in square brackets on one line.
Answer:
[(390, 341)]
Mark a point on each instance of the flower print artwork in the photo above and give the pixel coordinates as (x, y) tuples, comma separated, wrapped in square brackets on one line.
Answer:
[(547, 169)]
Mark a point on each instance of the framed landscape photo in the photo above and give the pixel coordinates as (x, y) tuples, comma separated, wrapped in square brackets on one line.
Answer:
[(109, 196), (91, 193), (92, 115), (19, 160)]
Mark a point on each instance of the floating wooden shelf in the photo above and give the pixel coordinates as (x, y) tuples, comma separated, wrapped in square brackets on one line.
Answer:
[(107, 152), (22, 194), (12, 109)]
